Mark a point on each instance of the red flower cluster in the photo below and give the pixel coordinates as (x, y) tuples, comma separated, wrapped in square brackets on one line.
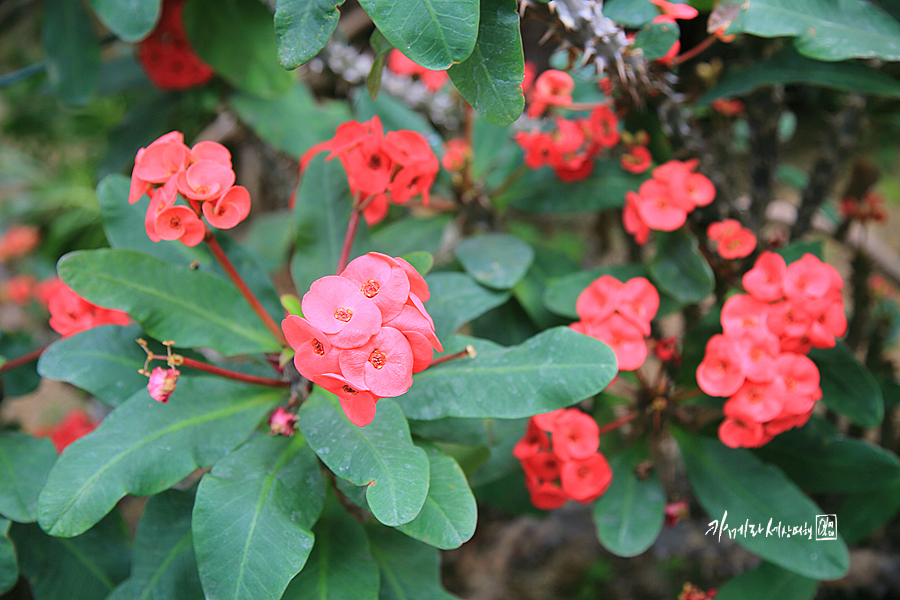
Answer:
[(619, 314), (663, 202), (870, 208), (727, 107), (732, 239), (570, 149), (551, 88), (456, 153), (365, 333), (75, 424), (692, 592), (18, 241), (400, 163), (760, 359), (400, 64), (202, 175), (71, 314), (167, 56), (571, 457)]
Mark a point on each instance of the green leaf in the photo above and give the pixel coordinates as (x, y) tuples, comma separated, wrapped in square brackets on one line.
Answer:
[(269, 492), (864, 512), (130, 20), (236, 38), (410, 235), (655, 39), (72, 50), (629, 515), (491, 78), (303, 27), (556, 368), (293, 121), (144, 447), (449, 514), (735, 487), (381, 454), (679, 270), (322, 212), (421, 261), (380, 46), (789, 67), (548, 265), (768, 582), (542, 191), (433, 33), (456, 299), (632, 13), (562, 294), (825, 29), (9, 566), (497, 260), (847, 386), (796, 250), (164, 565), (25, 462), (340, 566), (103, 361), (823, 463), (86, 567), (170, 302), (409, 569)]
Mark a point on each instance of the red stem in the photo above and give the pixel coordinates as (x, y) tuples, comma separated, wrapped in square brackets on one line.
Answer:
[(22, 360), (469, 351), (352, 225), (235, 278), (695, 50), (201, 366), (612, 426)]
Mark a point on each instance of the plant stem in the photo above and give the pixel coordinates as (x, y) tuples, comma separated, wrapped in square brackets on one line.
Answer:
[(695, 50), (238, 282), (22, 360), (352, 225), (202, 366), (468, 351), (612, 426)]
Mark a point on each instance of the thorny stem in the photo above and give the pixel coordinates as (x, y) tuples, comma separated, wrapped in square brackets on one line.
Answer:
[(469, 351), (613, 425), (179, 360), (22, 360), (352, 226), (238, 282), (686, 56)]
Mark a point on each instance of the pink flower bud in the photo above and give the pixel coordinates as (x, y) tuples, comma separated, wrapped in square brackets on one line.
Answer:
[(282, 422), (162, 383)]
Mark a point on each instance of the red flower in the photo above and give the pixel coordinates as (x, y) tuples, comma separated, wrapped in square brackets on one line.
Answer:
[(764, 280), (18, 241), (586, 480), (76, 424), (552, 88), (720, 373), (282, 422), (456, 153), (735, 433), (358, 404), (576, 436), (545, 495), (400, 64), (313, 353), (677, 11), (535, 440), (162, 383), (167, 56), (728, 107), (637, 160), (336, 307), (632, 221), (600, 299), (603, 126), (71, 314)]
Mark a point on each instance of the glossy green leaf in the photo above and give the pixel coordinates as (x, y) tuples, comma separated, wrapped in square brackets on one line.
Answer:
[(825, 29), (548, 266), (421, 261), (507, 325), (497, 260), (303, 27), (322, 212), (86, 567), (410, 235), (130, 20), (633, 13), (293, 121), (556, 368), (768, 582), (164, 566), (655, 39), (72, 50), (542, 191), (144, 447), (789, 67), (269, 492), (796, 250), (380, 455), (735, 487), (103, 361), (409, 569), (448, 517), (491, 78), (123, 224), (433, 33), (629, 515), (456, 299), (9, 566), (847, 386), (25, 462), (236, 38), (170, 302), (561, 295), (822, 463), (679, 270), (340, 566), (862, 513)]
